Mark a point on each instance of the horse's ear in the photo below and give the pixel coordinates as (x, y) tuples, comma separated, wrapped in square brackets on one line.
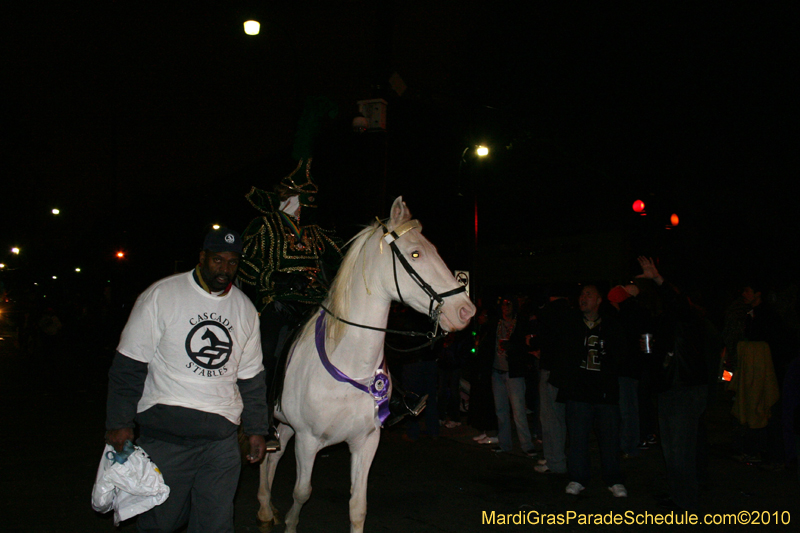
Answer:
[(399, 214)]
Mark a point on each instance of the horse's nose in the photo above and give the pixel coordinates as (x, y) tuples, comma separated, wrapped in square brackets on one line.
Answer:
[(466, 312)]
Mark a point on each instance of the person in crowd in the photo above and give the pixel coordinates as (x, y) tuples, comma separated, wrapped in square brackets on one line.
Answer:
[(481, 412), (634, 323), (589, 385), (509, 365), (454, 353), (679, 341), (553, 317), (188, 373), (418, 374)]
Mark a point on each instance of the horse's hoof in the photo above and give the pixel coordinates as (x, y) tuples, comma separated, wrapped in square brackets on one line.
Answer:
[(265, 527)]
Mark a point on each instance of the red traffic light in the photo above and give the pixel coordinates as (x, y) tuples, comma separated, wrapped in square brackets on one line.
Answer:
[(638, 206)]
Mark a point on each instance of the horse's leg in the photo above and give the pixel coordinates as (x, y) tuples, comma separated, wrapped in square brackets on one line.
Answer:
[(362, 454), (267, 513), (305, 449)]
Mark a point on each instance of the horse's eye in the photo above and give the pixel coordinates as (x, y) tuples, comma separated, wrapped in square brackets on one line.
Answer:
[(415, 254)]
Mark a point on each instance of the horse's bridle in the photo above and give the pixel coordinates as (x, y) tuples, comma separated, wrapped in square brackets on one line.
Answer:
[(390, 237)]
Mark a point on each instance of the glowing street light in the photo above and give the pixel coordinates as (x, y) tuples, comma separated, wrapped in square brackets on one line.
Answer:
[(120, 255), (55, 211), (77, 270), (482, 150), (2, 266), (252, 27), (15, 250), (216, 227)]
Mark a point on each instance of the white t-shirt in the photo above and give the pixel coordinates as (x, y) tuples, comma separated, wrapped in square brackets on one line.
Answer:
[(196, 345)]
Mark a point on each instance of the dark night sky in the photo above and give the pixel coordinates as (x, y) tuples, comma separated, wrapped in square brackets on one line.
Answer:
[(145, 124)]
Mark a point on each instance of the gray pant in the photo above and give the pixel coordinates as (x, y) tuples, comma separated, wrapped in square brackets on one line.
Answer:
[(202, 480), (554, 425)]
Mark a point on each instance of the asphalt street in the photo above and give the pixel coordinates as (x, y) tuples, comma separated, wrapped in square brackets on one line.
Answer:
[(52, 439)]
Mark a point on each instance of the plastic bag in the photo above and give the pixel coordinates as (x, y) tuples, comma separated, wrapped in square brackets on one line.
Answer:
[(130, 488)]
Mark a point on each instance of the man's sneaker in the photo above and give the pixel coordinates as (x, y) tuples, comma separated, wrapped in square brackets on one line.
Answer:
[(574, 488), (543, 469), (618, 490)]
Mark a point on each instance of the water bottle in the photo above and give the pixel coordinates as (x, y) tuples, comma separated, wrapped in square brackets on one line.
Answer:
[(121, 457)]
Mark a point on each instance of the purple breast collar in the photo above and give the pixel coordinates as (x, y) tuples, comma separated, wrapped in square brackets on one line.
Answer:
[(377, 386)]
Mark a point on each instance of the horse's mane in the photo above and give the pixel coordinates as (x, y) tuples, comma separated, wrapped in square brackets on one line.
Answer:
[(338, 299)]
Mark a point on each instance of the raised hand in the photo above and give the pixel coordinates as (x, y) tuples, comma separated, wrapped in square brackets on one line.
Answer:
[(649, 270)]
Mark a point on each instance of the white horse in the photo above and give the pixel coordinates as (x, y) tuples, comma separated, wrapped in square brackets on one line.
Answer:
[(318, 404)]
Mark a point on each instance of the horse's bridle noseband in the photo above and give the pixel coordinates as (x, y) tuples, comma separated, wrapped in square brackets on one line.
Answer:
[(390, 237)]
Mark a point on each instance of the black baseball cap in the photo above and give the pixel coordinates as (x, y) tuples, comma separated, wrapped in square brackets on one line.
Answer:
[(223, 240)]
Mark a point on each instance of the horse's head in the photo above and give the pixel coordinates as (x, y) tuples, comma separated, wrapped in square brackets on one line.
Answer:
[(420, 277)]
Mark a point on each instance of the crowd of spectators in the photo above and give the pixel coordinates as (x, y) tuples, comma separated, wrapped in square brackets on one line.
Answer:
[(637, 364)]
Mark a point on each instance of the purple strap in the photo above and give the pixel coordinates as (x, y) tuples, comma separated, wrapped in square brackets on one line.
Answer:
[(379, 386)]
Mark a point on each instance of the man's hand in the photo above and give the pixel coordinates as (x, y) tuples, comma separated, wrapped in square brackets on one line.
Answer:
[(649, 270), (258, 448), (117, 437)]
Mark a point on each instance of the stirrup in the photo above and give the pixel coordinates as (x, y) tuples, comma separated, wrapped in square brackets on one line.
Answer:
[(272, 441), (417, 409)]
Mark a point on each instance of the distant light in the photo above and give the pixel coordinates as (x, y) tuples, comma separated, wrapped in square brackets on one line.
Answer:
[(482, 151), (55, 211), (216, 226), (252, 27), (120, 255), (674, 220), (55, 277), (638, 206), (15, 250), (77, 270), (2, 265)]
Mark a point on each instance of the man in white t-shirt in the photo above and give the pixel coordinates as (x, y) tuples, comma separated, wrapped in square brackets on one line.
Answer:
[(188, 370)]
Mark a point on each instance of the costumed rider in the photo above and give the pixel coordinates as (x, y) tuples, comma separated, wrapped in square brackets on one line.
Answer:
[(289, 262)]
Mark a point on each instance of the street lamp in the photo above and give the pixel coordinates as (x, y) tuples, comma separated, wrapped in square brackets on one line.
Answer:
[(252, 27), (481, 150), (15, 250), (55, 211)]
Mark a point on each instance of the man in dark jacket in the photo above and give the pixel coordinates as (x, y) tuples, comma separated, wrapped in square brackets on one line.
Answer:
[(588, 383), (679, 340)]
